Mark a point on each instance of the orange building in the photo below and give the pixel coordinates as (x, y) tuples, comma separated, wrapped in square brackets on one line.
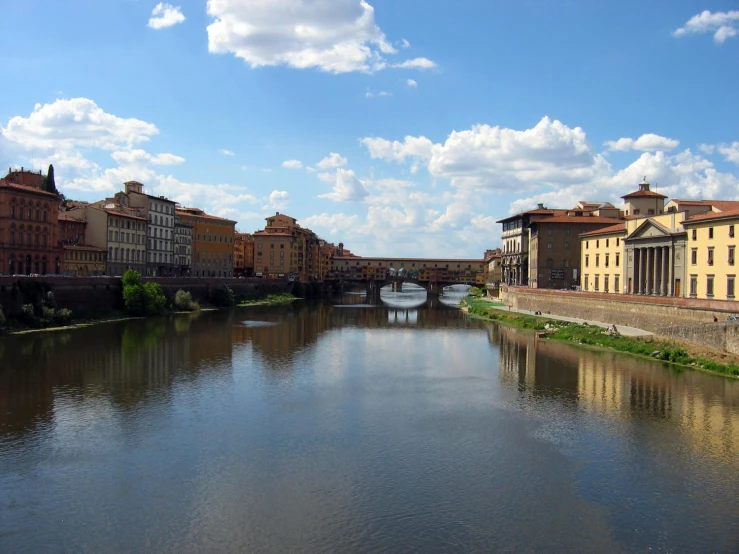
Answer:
[(212, 245), (243, 255), (28, 226)]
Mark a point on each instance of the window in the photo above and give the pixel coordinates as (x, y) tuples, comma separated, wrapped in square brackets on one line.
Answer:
[(617, 241), (694, 234), (616, 283), (587, 260), (710, 256), (618, 260), (693, 256), (605, 283), (731, 231), (730, 286), (597, 243), (549, 232), (607, 255), (693, 285), (549, 245), (636, 212), (586, 282), (587, 244), (567, 232), (597, 260), (607, 242), (650, 212), (731, 255), (709, 285), (566, 262), (567, 246), (596, 282), (710, 232)]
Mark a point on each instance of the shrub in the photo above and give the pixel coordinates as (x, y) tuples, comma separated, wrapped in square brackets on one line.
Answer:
[(155, 299), (131, 278), (28, 314), (474, 291), (63, 315), (134, 299), (183, 301), (222, 295)]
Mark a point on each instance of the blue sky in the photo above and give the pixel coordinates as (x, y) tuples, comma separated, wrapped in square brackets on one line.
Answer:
[(403, 127)]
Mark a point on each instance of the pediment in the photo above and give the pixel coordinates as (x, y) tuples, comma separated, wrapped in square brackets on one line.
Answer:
[(649, 229)]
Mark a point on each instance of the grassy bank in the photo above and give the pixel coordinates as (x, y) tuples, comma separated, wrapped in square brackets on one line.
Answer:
[(269, 299), (655, 348)]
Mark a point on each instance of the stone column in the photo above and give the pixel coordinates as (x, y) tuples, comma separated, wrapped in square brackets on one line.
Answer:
[(648, 272), (665, 259), (671, 271), (655, 271), (637, 271), (657, 288)]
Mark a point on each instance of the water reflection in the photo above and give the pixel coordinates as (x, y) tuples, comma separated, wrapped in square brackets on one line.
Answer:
[(453, 294), (410, 296), (315, 427)]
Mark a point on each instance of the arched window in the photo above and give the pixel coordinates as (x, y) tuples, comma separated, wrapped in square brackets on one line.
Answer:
[(115, 256), (44, 266), (110, 253), (11, 265)]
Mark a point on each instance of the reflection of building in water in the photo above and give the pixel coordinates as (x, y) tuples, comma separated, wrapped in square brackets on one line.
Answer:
[(701, 409)]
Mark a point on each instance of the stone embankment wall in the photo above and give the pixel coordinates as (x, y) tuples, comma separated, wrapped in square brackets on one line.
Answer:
[(104, 294), (682, 318)]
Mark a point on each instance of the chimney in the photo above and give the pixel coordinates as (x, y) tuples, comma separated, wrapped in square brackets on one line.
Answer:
[(540, 206)]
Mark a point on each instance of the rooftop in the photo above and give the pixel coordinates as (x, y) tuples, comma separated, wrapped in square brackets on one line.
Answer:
[(618, 228), (26, 188), (579, 219), (644, 192), (710, 216)]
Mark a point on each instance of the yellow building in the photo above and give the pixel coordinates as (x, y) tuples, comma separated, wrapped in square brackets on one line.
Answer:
[(83, 261), (428, 270), (712, 248), (602, 259), (212, 243)]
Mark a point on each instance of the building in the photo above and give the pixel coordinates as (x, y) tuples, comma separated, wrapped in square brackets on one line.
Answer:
[(712, 247), (424, 270), (515, 257), (285, 249), (159, 212), (115, 229), (183, 234), (213, 243), (493, 271), (554, 247), (80, 259), (602, 264), (644, 202), (243, 255), (28, 226)]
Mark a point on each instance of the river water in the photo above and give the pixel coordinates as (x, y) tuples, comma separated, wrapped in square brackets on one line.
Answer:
[(348, 427)]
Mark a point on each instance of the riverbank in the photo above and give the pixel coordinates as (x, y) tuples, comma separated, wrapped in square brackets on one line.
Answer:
[(676, 352), (271, 300)]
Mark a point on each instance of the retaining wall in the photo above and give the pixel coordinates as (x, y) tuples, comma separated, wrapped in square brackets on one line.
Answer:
[(104, 294), (685, 318)]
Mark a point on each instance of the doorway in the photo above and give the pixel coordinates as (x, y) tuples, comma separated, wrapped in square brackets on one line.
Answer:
[(677, 287)]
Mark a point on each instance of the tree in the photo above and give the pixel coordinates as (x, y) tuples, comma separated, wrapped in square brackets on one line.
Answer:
[(155, 299), (49, 182)]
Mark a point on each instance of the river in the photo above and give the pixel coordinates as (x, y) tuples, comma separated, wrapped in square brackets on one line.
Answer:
[(347, 427)]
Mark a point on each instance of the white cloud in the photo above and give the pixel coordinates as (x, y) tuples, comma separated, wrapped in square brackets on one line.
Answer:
[(405, 44), (381, 148), (730, 152), (646, 143), (723, 25), (707, 148), (382, 93), (226, 152), (331, 161), (125, 157), (279, 199), (347, 188), (165, 15), (416, 63), (337, 37), (292, 164), (411, 83)]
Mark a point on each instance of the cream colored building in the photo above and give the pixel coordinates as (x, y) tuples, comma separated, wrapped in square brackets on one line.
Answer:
[(712, 250), (602, 259)]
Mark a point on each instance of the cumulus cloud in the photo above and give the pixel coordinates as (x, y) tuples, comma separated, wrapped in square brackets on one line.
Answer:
[(646, 143), (707, 148), (165, 15), (292, 164), (416, 63), (331, 161), (723, 25), (347, 188), (279, 199), (730, 152), (411, 83), (143, 157)]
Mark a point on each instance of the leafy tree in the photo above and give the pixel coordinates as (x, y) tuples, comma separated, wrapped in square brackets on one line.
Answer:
[(155, 299), (183, 301), (222, 295), (131, 277), (134, 299)]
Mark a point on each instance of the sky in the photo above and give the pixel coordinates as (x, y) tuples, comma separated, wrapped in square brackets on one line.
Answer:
[(398, 127)]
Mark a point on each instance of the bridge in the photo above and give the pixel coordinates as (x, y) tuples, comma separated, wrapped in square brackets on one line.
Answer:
[(433, 274)]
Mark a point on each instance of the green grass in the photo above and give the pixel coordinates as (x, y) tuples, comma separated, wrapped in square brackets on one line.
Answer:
[(597, 336), (272, 299)]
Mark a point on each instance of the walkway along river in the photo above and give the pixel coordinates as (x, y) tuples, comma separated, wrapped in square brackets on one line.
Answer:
[(347, 427)]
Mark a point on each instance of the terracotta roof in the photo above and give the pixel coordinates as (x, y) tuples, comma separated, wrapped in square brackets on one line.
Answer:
[(708, 216), (644, 194), (693, 202), (266, 234), (582, 219), (116, 212), (26, 188), (619, 228), (545, 211), (65, 217), (724, 205), (205, 215)]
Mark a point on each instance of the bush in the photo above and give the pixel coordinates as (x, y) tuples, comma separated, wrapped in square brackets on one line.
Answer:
[(183, 301), (28, 314), (131, 278), (155, 299), (475, 292), (222, 295), (134, 299), (62, 316)]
